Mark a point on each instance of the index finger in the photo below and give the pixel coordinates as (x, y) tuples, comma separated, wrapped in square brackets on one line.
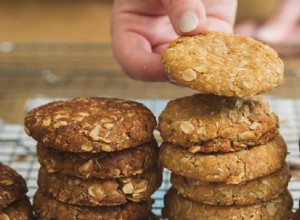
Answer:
[(220, 15)]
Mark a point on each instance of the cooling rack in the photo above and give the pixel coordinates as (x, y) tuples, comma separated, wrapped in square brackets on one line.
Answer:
[(18, 150)]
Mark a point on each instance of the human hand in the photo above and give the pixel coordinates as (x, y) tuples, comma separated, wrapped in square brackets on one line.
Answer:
[(282, 27), (141, 30)]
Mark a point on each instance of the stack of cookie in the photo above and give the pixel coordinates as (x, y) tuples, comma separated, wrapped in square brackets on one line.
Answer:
[(297, 214), (14, 204), (223, 147), (98, 159)]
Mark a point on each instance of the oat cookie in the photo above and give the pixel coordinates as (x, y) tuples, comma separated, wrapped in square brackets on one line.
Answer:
[(251, 192), (100, 192), (297, 215), (100, 165), (152, 216), (12, 186), (91, 124), (232, 168), (178, 207), (223, 64), (18, 210), (208, 123), (49, 208)]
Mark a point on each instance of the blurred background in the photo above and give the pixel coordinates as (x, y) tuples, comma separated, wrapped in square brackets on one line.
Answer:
[(62, 49)]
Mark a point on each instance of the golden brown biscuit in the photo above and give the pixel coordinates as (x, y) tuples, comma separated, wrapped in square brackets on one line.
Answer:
[(178, 207), (208, 123), (232, 168), (247, 193), (49, 208), (99, 165), (91, 124), (297, 215), (100, 192), (152, 216), (223, 64), (18, 210), (12, 186)]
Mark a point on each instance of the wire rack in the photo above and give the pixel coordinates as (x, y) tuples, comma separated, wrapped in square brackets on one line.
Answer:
[(18, 150)]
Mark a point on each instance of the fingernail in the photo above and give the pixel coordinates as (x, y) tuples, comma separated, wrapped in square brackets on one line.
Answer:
[(267, 35), (174, 82), (188, 21), (171, 79)]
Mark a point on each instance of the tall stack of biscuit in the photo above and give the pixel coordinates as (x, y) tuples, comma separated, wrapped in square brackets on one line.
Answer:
[(223, 146), (98, 159), (14, 204)]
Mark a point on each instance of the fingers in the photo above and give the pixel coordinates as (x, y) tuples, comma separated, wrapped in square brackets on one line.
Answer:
[(246, 28), (138, 41), (220, 14), (139, 38), (187, 16), (134, 53), (294, 38), (282, 23), (190, 17)]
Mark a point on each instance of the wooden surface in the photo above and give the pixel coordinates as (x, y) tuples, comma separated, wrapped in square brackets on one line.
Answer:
[(67, 71), (55, 21)]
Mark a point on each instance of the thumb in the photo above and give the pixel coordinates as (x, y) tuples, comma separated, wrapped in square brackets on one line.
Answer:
[(187, 17)]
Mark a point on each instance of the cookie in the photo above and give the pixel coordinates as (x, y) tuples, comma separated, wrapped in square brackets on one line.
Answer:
[(91, 124), (232, 168), (247, 193), (18, 210), (100, 192), (208, 123), (223, 64), (152, 216), (297, 215), (99, 165), (49, 208), (12, 186), (178, 207)]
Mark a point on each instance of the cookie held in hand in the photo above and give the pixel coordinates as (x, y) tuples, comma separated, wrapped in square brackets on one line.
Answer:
[(223, 64)]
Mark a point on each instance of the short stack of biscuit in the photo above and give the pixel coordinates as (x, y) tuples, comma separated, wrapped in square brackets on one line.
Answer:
[(14, 204), (223, 146), (98, 159)]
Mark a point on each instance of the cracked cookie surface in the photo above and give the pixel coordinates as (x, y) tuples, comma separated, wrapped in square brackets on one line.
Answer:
[(208, 123), (12, 186), (123, 163), (232, 168), (91, 124), (100, 192), (250, 192), (223, 64), (178, 207), (18, 210), (49, 208)]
